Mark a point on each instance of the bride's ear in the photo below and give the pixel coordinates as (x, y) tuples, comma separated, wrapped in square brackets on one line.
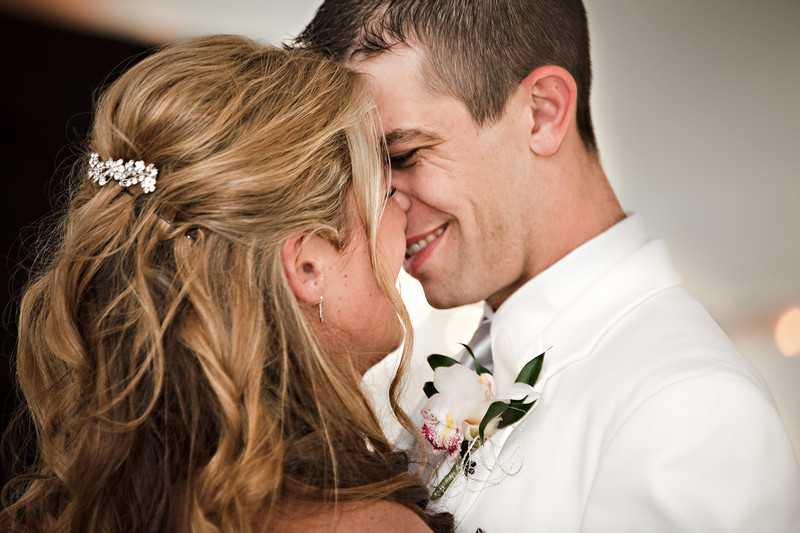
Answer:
[(304, 259)]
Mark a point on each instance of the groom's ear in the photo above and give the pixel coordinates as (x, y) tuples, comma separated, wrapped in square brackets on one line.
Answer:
[(304, 257), (551, 94)]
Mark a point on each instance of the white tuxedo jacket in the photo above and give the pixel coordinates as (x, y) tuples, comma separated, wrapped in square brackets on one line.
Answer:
[(649, 419)]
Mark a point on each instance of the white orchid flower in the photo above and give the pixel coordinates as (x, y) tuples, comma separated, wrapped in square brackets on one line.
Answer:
[(456, 410), (454, 413)]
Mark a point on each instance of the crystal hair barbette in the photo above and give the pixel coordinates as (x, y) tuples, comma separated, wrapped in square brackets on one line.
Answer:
[(127, 174)]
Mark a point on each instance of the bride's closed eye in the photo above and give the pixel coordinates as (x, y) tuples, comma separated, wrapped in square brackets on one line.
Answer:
[(391, 192)]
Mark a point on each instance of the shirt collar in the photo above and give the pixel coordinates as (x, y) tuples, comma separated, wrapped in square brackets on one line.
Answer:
[(527, 312)]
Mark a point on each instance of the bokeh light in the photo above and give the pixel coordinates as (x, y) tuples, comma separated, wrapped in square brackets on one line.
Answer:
[(787, 332)]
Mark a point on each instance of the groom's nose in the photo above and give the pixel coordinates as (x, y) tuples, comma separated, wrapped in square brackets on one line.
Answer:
[(402, 199)]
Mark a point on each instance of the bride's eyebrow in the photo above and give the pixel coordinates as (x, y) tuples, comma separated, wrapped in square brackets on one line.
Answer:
[(410, 135)]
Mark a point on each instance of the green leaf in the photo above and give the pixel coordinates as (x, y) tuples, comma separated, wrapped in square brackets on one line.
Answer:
[(495, 409), (479, 368), (514, 413), (429, 389), (530, 372), (436, 360)]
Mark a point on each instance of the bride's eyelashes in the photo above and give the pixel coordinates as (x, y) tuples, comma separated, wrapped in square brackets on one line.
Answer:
[(391, 192), (403, 160)]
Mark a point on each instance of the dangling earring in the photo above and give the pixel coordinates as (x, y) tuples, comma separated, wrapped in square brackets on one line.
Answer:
[(320, 307)]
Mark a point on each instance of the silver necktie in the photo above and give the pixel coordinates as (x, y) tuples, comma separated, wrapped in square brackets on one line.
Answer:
[(481, 345)]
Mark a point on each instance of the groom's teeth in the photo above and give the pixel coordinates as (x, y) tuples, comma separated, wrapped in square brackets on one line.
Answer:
[(422, 243)]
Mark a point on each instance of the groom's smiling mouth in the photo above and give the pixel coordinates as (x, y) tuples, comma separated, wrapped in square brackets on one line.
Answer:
[(418, 244)]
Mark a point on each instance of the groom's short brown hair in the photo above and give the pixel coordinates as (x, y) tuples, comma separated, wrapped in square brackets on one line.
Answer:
[(477, 51)]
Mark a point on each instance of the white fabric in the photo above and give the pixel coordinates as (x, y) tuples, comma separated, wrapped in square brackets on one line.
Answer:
[(649, 419)]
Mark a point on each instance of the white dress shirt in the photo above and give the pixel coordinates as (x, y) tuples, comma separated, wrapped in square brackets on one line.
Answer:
[(649, 419)]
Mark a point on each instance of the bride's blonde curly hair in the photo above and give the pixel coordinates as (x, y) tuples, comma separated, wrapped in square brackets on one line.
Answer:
[(172, 377)]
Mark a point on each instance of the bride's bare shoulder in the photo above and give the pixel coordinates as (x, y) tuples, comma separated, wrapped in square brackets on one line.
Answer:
[(379, 515)]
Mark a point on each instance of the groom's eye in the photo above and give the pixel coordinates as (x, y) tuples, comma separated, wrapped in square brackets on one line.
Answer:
[(403, 160)]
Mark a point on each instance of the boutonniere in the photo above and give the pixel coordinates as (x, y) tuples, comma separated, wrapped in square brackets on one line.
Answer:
[(466, 407)]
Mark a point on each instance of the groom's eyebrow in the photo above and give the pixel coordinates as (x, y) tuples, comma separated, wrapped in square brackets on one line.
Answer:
[(410, 135)]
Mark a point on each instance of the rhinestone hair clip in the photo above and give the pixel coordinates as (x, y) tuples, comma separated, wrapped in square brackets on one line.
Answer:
[(126, 174)]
